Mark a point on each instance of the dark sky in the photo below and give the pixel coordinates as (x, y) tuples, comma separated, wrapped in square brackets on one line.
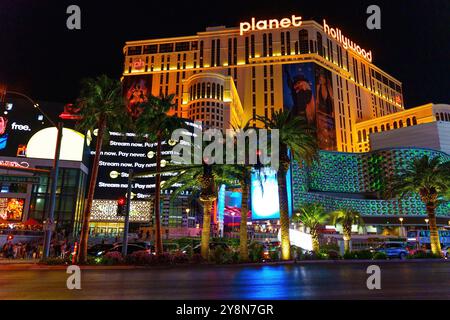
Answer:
[(40, 56)]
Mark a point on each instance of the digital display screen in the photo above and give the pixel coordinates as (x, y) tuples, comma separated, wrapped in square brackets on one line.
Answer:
[(11, 209), (264, 194)]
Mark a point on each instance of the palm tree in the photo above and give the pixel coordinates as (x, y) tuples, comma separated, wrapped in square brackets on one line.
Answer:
[(347, 217), (202, 179), (313, 215), (430, 178), (154, 123), (242, 174), (296, 136), (102, 109)]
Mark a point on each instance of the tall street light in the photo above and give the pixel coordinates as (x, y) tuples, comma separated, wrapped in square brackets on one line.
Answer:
[(54, 175)]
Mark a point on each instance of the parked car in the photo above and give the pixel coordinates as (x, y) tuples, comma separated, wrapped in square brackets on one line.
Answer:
[(96, 248), (393, 250), (118, 248), (446, 251)]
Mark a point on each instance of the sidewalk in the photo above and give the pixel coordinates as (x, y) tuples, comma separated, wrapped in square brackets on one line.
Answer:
[(4, 261)]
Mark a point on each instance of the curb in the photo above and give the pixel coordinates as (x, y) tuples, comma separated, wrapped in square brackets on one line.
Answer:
[(35, 266)]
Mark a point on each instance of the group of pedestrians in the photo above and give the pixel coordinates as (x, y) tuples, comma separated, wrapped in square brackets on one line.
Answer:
[(20, 250)]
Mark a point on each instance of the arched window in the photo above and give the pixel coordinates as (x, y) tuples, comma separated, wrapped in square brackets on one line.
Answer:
[(198, 90), (221, 92), (375, 129), (213, 90), (447, 118), (359, 136), (408, 122), (395, 125), (442, 117), (388, 126), (437, 116), (208, 90), (370, 130), (303, 41), (203, 90), (400, 123), (319, 44), (414, 122)]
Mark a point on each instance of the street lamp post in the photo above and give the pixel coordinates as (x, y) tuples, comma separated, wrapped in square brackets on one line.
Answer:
[(232, 222), (127, 214), (54, 175)]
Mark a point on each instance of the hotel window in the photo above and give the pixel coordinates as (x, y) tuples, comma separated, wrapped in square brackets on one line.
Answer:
[(303, 41), (213, 90), (218, 63), (208, 90), (135, 50), (395, 125), (270, 45), (194, 45), (150, 49), (213, 53), (166, 47), (264, 45), (252, 45), (283, 49), (319, 44), (201, 54), (408, 122), (203, 90), (182, 46), (235, 52), (246, 51), (288, 42)]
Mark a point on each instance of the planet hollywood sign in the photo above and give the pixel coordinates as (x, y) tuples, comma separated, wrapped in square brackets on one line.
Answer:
[(337, 35), (296, 21)]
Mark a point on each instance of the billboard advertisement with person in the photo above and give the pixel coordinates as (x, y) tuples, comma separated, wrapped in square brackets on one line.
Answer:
[(308, 92)]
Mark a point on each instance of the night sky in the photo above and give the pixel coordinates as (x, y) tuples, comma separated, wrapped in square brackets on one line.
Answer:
[(41, 57)]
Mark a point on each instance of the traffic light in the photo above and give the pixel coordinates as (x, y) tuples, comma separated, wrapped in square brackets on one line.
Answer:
[(121, 207)]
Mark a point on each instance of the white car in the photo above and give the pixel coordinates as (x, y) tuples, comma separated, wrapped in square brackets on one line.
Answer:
[(446, 251)]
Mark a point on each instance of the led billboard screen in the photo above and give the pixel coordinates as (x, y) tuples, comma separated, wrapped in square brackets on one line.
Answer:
[(11, 209)]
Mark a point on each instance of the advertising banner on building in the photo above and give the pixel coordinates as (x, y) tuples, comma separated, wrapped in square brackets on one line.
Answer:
[(308, 92), (136, 90), (19, 121), (11, 209), (124, 152)]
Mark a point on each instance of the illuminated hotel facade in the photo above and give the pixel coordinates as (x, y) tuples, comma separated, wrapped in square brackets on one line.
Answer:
[(256, 62), (227, 76)]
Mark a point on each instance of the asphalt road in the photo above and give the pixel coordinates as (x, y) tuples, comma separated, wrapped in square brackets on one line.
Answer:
[(399, 280)]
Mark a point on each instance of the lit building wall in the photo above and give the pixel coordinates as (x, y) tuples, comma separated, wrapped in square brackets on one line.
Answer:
[(416, 116), (361, 91), (357, 180)]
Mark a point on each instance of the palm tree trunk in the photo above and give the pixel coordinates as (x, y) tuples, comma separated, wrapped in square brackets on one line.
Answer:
[(347, 231), (243, 250), (157, 204), (206, 230), (315, 241), (434, 234), (84, 237), (284, 214)]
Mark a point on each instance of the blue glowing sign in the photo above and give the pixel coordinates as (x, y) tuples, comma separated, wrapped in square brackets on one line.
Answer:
[(264, 193)]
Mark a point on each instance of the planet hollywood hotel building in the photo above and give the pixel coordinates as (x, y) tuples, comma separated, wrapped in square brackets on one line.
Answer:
[(224, 76)]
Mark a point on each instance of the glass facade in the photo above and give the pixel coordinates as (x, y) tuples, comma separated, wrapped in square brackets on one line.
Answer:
[(69, 198)]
